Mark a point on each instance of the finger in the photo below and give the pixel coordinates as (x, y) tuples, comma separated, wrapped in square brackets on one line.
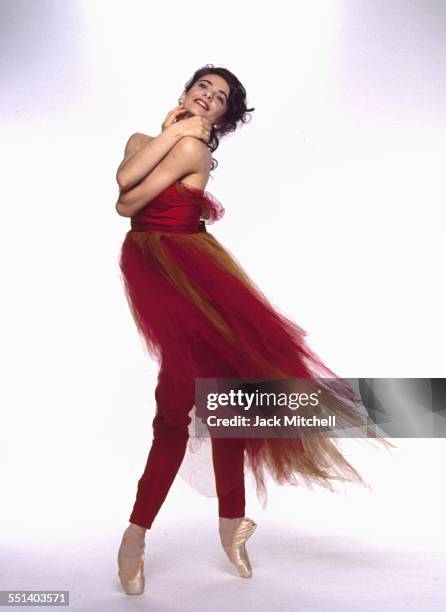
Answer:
[(173, 110), (175, 113)]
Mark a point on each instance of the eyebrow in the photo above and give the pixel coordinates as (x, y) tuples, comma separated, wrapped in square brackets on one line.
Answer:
[(220, 90)]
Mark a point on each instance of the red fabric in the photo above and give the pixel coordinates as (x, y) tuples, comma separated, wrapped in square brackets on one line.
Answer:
[(170, 436), (200, 315), (176, 210)]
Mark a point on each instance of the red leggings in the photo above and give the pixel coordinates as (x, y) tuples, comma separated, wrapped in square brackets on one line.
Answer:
[(170, 435)]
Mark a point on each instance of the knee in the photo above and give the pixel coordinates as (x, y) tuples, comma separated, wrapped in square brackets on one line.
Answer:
[(170, 429)]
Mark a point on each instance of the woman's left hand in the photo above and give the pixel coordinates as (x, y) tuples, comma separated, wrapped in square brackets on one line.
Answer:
[(172, 116)]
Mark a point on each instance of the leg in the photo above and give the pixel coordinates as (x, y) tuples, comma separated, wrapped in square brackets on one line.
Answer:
[(234, 527), (170, 436), (228, 461)]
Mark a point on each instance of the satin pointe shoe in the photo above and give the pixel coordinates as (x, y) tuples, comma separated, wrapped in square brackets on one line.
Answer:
[(233, 535), (131, 560)]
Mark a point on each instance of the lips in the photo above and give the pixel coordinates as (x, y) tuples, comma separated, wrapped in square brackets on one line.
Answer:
[(202, 104)]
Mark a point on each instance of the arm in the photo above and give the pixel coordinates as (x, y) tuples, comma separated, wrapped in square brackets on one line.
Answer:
[(188, 156), (140, 160), (134, 143)]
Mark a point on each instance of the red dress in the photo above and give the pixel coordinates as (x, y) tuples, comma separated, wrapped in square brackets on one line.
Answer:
[(200, 315)]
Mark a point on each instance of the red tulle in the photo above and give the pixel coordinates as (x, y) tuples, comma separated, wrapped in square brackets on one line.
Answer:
[(200, 315)]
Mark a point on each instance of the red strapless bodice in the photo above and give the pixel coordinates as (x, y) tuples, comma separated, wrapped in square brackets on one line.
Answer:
[(178, 209)]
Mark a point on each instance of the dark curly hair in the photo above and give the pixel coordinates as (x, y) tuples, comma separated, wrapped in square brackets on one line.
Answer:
[(237, 110)]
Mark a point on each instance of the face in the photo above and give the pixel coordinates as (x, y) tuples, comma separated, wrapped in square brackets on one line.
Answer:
[(212, 92)]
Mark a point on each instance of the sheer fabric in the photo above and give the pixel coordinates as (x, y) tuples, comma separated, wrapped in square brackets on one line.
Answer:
[(199, 314)]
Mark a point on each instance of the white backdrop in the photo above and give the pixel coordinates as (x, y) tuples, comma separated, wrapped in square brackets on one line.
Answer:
[(334, 198)]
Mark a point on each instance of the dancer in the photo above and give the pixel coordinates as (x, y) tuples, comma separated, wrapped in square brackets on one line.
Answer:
[(201, 316)]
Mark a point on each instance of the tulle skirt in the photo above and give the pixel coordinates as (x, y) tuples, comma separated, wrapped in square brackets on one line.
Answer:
[(201, 316)]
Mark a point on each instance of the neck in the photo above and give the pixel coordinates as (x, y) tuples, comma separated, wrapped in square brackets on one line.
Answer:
[(185, 115)]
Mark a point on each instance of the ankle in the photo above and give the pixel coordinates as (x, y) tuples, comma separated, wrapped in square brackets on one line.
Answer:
[(226, 528), (137, 529)]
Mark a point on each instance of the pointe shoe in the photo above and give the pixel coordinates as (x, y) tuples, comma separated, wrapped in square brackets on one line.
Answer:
[(233, 535), (131, 562)]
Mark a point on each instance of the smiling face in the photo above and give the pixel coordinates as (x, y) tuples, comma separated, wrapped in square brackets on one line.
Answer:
[(207, 97)]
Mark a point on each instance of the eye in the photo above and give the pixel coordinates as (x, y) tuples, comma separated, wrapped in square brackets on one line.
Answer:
[(205, 86)]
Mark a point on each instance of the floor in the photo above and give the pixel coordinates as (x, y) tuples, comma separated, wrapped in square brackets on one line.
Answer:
[(313, 550)]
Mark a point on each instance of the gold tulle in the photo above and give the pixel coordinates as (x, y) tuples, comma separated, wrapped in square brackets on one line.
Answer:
[(301, 459)]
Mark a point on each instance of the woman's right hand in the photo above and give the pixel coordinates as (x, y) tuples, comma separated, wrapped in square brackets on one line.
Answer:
[(197, 126), (172, 116)]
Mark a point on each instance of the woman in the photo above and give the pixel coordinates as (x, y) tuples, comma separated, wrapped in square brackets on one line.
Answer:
[(201, 316)]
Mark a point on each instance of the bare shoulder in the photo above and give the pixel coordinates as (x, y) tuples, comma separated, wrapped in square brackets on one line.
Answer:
[(196, 147), (199, 152), (137, 140), (190, 143)]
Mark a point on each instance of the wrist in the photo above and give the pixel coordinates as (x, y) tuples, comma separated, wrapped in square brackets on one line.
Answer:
[(174, 132)]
